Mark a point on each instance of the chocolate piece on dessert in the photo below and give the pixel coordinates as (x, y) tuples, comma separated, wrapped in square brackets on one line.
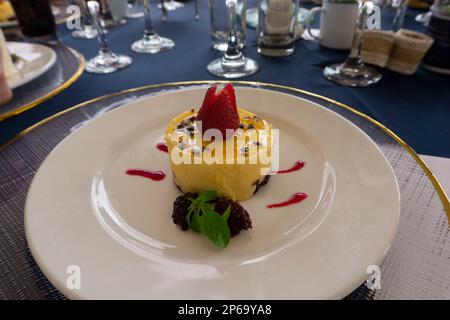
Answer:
[(261, 183)]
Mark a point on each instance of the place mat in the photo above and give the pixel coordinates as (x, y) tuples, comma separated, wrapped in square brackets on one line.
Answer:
[(68, 68), (416, 267)]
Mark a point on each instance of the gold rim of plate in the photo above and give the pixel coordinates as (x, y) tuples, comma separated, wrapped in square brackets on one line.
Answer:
[(436, 184), (54, 92)]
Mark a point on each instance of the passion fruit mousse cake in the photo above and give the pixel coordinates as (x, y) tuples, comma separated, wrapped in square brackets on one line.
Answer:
[(235, 163)]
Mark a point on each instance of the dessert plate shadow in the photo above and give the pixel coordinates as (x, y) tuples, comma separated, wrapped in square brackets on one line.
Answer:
[(83, 210)]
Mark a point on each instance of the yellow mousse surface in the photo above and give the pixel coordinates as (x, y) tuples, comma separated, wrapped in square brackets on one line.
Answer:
[(233, 167)]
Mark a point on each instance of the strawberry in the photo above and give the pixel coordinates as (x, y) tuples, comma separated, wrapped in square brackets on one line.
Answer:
[(219, 110), (230, 91)]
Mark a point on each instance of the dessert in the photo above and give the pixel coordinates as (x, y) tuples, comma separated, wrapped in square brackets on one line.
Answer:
[(234, 161), (219, 154), (6, 11)]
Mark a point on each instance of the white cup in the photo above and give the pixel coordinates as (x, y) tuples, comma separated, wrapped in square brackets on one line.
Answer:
[(337, 23)]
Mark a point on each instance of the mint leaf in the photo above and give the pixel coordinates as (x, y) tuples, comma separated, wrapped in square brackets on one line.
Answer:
[(189, 215), (195, 224), (227, 212), (215, 228), (207, 195), (202, 218)]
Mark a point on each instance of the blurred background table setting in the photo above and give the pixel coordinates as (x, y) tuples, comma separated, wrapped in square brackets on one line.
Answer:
[(389, 60)]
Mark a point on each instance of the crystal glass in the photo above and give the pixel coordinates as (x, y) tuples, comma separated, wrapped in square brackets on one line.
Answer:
[(133, 10), (171, 5), (164, 13), (105, 61), (233, 64), (393, 13), (87, 30), (197, 10), (105, 17), (218, 12), (353, 72), (151, 41), (276, 27)]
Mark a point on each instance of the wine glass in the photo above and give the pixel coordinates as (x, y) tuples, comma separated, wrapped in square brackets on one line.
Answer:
[(197, 10), (233, 64), (105, 61), (151, 41), (133, 10), (171, 5), (106, 17), (353, 72), (87, 30)]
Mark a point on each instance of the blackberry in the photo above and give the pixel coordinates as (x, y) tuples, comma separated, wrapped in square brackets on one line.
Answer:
[(180, 210), (239, 218)]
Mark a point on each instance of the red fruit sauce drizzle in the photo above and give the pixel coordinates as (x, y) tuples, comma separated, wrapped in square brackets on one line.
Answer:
[(150, 174), (161, 146), (295, 198), (297, 166)]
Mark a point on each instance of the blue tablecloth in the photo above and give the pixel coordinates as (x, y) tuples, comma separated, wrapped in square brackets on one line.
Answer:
[(416, 107)]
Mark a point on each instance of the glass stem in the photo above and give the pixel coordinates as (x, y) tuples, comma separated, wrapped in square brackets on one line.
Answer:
[(355, 59), (233, 52), (101, 36), (149, 30)]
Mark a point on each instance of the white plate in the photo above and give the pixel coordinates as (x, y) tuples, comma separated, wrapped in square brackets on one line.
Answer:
[(82, 209), (35, 60)]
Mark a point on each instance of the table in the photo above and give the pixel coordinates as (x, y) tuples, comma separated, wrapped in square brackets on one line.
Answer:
[(416, 266), (407, 105), (397, 102)]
